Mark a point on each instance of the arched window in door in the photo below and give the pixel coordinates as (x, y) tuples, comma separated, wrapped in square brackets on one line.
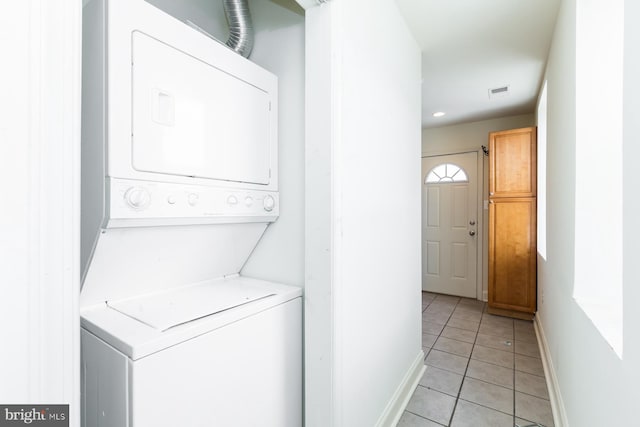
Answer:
[(446, 172)]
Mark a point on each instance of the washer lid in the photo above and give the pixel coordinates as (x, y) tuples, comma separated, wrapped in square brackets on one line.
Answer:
[(166, 310), (138, 338)]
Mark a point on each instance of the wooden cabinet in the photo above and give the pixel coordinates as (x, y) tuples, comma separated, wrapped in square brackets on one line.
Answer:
[(512, 222), (512, 254), (512, 163)]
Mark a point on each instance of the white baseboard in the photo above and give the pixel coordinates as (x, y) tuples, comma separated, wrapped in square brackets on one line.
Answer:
[(557, 405), (392, 413)]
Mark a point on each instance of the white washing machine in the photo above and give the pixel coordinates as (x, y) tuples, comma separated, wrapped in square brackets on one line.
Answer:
[(179, 164), (225, 352)]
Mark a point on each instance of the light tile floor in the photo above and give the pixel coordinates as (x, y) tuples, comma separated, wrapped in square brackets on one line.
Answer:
[(482, 370)]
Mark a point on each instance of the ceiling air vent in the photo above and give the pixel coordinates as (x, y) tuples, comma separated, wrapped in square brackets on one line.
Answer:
[(499, 92)]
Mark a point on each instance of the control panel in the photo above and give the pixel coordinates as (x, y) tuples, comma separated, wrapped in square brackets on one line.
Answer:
[(135, 200)]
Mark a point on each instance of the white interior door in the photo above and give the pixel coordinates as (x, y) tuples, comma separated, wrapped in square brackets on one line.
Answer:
[(450, 224)]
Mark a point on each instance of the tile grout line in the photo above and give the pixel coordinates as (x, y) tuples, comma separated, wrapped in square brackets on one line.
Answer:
[(440, 334), (486, 382), (425, 359), (455, 404), (428, 419), (464, 375), (469, 361)]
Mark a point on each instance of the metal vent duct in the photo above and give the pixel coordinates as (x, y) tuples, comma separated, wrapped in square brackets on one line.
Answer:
[(240, 26)]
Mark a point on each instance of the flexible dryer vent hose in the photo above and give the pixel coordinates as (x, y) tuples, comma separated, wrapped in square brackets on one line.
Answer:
[(240, 26)]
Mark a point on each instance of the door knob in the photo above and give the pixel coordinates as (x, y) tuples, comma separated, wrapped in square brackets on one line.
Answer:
[(472, 232)]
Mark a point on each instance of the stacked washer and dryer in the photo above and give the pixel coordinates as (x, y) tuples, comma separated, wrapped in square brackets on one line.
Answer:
[(180, 181)]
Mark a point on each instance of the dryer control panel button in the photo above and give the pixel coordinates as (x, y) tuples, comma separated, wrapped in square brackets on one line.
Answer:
[(269, 203), (192, 199), (232, 200), (137, 198)]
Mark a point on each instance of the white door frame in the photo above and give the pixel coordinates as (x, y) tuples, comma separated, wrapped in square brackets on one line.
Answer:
[(40, 167), (482, 278)]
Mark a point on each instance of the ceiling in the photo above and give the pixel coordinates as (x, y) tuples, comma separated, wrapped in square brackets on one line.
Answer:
[(472, 46)]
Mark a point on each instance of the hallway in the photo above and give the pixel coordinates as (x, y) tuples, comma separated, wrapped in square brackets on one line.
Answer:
[(480, 367)]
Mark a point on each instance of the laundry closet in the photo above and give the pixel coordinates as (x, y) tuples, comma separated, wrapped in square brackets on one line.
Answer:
[(180, 181)]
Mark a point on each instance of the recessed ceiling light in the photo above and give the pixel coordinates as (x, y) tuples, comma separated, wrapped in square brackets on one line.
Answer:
[(439, 114)]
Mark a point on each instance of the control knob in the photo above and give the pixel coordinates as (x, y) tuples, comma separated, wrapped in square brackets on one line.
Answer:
[(137, 198), (269, 203), (192, 199)]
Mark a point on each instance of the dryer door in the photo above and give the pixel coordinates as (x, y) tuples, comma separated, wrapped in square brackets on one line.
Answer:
[(191, 118)]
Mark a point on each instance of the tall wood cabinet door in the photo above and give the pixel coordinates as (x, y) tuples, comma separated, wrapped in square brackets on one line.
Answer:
[(512, 163), (512, 254)]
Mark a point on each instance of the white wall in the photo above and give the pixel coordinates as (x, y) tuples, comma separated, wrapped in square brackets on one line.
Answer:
[(470, 137), (206, 14), (279, 47), (465, 136), (597, 387), (630, 369), (363, 213), (39, 220)]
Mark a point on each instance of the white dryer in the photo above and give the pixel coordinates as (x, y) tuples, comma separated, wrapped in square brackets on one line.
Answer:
[(179, 164)]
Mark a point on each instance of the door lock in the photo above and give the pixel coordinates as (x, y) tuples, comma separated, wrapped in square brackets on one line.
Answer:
[(472, 222)]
